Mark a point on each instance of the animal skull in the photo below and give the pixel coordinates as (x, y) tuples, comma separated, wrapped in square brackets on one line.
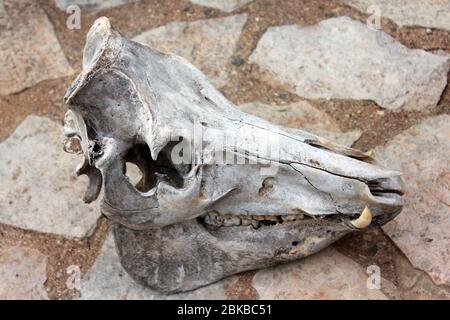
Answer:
[(192, 222)]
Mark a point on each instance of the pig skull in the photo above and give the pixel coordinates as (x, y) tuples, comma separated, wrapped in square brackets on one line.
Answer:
[(195, 216)]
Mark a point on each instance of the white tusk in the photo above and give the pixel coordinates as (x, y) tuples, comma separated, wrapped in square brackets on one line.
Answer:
[(364, 219)]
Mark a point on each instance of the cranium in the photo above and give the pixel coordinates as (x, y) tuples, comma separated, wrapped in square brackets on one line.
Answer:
[(189, 223)]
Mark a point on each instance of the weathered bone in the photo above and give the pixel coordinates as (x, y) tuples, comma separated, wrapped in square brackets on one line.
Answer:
[(187, 224)]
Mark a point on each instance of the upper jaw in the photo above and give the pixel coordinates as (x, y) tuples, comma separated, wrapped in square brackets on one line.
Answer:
[(164, 197), (319, 178), (351, 222)]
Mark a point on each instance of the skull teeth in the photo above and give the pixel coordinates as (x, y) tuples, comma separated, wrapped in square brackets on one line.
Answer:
[(216, 219), (228, 220), (292, 217)]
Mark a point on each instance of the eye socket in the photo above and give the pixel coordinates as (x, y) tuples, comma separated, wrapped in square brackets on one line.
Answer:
[(133, 173), (144, 173)]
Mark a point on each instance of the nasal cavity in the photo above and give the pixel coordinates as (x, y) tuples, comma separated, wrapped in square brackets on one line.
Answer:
[(383, 186)]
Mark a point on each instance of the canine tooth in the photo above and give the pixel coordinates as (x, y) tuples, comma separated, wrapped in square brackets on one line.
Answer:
[(364, 219), (232, 221)]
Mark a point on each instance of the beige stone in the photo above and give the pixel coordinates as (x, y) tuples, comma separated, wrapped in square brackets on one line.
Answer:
[(327, 275), (208, 44), (224, 5), (422, 230), (341, 58), (22, 274), (29, 49), (91, 5), (424, 13)]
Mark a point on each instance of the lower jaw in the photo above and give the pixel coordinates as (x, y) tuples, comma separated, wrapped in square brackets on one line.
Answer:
[(188, 255)]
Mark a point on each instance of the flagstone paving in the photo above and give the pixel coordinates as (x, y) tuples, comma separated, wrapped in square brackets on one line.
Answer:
[(341, 58), (29, 49), (208, 44), (39, 189), (421, 231), (430, 13)]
